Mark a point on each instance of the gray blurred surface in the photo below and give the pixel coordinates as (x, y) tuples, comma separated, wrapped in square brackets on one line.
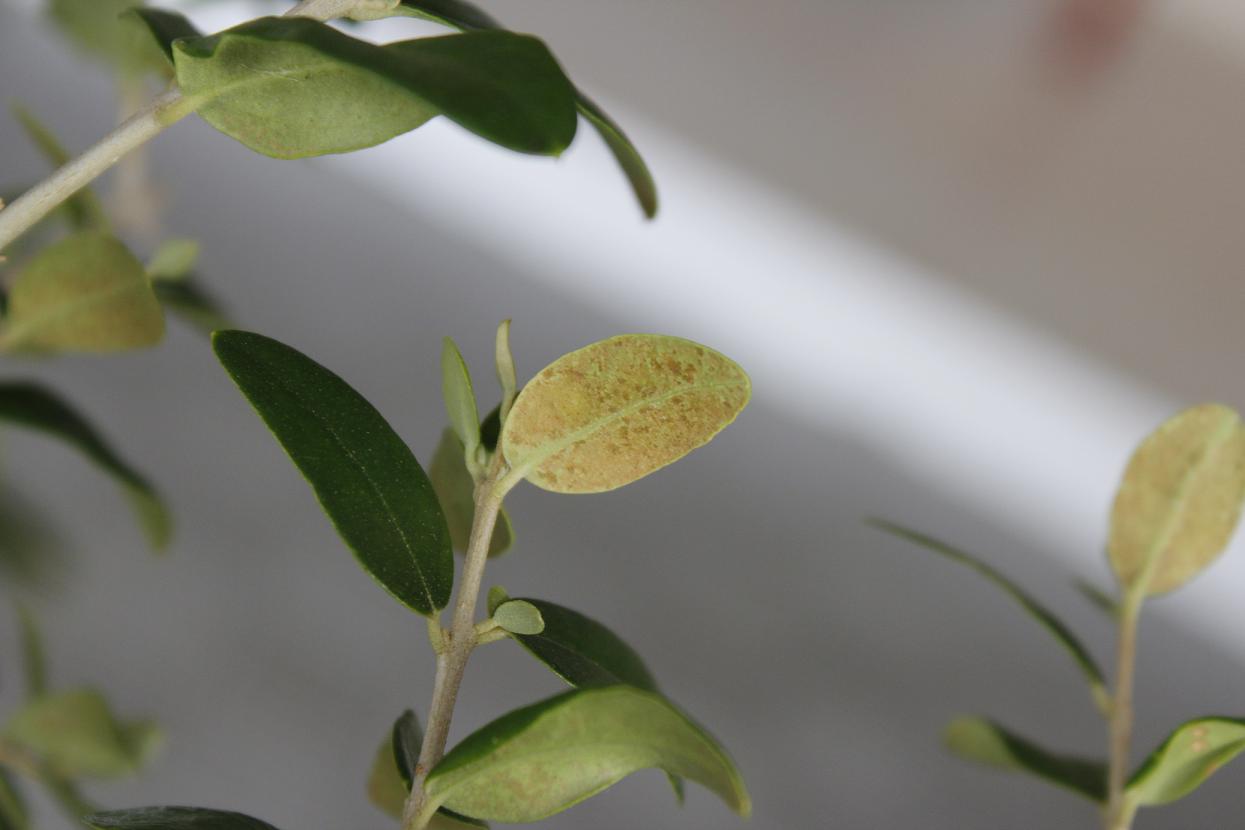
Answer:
[(826, 657)]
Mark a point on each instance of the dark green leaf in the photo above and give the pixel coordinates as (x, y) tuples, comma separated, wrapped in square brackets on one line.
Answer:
[(1038, 611), (13, 815), (490, 428), (31, 406), (406, 742), (294, 87), (190, 301), (985, 742), (83, 209), (544, 758), (366, 479), (464, 16), (173, 818), (456, 492), (34, 666), (390, 781), (583, 652), (1194, 752), (165, 27), (1097, 597)]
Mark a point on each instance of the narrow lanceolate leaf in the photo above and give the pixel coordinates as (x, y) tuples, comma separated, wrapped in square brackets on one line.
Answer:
[(1186, 759), (1179, 501), (173, 260), (506, 379), (164, 27), (460, 399), (985, 742), (173, 818), (33, 407), (1039, 612), (1098, 598), (34, 665), (365, 477), (86, 293), (190, 301), (466, 17), (76, 734), (615, 411), (583, 652), (294, 87), (544, 758), (455, 490), (519, 617), (13, 814), (83, 209)]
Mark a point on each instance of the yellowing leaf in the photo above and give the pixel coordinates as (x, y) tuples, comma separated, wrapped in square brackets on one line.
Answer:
[(615, 411), (1179, 501), (77, 734), (1186, 759), (84, 293)]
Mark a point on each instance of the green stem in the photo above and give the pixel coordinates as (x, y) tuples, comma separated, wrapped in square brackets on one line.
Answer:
[(1119, 812)]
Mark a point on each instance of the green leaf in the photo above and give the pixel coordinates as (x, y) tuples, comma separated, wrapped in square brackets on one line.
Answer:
[(466, 17), (294, 87), (34, 664), (619, 409), (84, 293), (100, 28), (193, 303), (390, 780), (76, 734), (490, 429), (1097, 597), (406, 742), (460, 399), (496, 596), (33, 407), (504, 361), (544, 758), (519, 617), (83, 209), (173, 818), (164, 27), (366, 479), (1179, 500), (173, 260), (583, 652), (455, 491), (1039, 612), (1194, 752), (985, 742), (385, 787), (13, 814)]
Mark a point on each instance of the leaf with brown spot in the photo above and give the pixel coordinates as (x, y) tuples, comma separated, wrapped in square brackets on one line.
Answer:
[(615, 411), (1179, 501), (1186, 759)]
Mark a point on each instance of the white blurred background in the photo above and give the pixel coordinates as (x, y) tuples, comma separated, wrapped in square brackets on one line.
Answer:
[(970, 253)]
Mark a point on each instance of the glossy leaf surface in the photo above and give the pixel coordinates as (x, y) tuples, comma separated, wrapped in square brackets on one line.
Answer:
[(294, 87), (1179, 501), (33, 407), (173, 818), (75, 733), (583, 652), (85, 293), (365, 477), (985, 742), (455, 490), (544, 758), (1192, 754), (619, 409), (1039, 612)]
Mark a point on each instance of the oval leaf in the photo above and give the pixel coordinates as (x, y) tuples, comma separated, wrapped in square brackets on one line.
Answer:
[(583, 652), (33, 407), (75, 733), (456, 492), (365, 477), (294, 87), (544, 758), (1179, 501), (519, 617), (1039, 612), (85, 293), (1192, 754), (985, 742), (460, 399), (173, 818), (615, 411)]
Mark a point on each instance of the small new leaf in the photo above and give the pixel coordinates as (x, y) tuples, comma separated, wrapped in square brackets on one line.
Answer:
[(1194, 752), (455, 490), (460, 399), (544, 758), (86, 293), (619, 409), (33, 407), (173, 818), (519, 617), (506, 377), (985, 742), (1039, 612), (173, 260), (1179, 500), (368, 482)]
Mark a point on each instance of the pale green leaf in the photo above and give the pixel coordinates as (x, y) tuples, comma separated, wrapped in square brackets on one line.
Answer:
[(544, 758), (519, 617), (173, 818), (390, 781), (173, 260), (368, 482), (1179, 501), (1192, 753), (84, 293), (619, 409), (385, 787), (455, 491), (76, 734), (100, 28), (985, 742), (506, 378), (83, 209), (33, 407), (460, 399)]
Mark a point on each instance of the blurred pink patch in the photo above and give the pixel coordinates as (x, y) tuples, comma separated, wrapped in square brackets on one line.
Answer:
[(1087, 35)]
